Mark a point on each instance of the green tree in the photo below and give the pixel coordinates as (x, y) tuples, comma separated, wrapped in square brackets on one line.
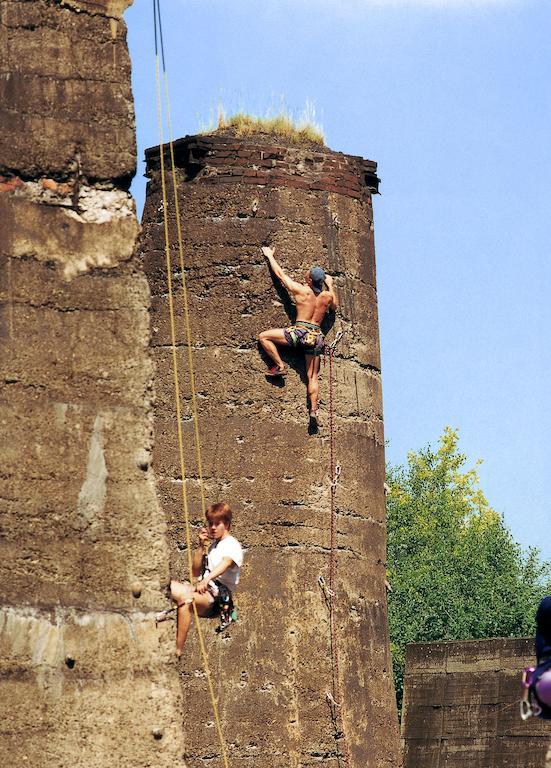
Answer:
[(455, 570)]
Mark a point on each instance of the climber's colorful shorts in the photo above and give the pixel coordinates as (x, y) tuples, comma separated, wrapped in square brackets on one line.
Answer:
[(305, 336)]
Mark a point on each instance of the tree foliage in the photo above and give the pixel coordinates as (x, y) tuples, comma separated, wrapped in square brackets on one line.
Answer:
[(455, 570)]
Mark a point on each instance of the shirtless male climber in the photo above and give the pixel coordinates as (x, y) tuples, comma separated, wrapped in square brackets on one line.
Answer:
[(312, 301)]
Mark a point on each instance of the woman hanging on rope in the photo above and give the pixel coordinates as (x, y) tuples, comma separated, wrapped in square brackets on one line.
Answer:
[(219, 573)]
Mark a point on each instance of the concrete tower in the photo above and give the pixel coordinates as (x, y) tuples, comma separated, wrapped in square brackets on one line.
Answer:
[(315, 207)]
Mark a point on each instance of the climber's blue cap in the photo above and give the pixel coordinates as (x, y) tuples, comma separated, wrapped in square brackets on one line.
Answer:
[(317, 275)]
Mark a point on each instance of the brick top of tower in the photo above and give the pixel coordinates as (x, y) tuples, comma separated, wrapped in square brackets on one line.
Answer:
[(271, 161)]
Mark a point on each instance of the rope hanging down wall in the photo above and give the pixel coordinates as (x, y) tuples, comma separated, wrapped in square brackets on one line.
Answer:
[(334, 698), (188, 341)]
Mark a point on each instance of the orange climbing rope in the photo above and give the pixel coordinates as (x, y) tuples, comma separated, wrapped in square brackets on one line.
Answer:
[(334, 699), (177, 394)]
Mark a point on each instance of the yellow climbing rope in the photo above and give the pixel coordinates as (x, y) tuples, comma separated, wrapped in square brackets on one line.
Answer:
[(187, 324)]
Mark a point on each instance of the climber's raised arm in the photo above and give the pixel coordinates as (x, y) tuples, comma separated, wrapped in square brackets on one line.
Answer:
[(197, 561), (291, 285), (331, 288)]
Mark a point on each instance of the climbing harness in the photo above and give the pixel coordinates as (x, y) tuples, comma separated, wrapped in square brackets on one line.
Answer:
[(306, 336), (226, 607), (223, 605), (536, 691), (334, 697), (159, 44)]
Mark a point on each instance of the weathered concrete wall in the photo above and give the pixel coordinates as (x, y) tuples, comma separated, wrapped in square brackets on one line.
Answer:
[(89, 534), (65, 100), (84, 678), (315, 206), (461, 707)]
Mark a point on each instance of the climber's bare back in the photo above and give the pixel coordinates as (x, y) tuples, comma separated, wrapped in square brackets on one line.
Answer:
[(312, 308)]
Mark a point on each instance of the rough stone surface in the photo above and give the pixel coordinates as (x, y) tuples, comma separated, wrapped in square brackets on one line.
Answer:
[(100, 231), (78, 688), (66, 107), (461, 707), (274, 671), (85, 678), (90, 521)]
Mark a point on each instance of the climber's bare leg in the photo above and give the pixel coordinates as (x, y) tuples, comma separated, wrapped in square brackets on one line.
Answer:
[(269, 340), (312, 371)]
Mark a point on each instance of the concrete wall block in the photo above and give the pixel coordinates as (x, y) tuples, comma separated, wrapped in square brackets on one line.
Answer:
[(72, 67), (419, 753), (86, 678), (422, 687), (69, 667), (102, 235), (461, 705), (482, 688)]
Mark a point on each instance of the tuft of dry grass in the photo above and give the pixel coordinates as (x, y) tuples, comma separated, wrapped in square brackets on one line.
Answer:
[(303, 130)]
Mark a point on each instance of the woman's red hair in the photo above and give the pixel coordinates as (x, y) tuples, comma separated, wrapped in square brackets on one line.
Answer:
[(220, 511)]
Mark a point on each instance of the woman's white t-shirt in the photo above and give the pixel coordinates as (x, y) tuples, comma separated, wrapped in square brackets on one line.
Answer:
[(226, 547)]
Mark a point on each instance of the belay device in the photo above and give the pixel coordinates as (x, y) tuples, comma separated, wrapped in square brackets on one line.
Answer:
[(228, 612)]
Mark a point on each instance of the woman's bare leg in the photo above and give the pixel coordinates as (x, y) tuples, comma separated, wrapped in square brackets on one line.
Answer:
[(184, 596)]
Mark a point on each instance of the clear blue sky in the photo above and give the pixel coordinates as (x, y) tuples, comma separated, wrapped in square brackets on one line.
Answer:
[(452, 98)]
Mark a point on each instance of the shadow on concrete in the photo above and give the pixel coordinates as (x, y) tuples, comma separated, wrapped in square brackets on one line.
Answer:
[(288, 305)]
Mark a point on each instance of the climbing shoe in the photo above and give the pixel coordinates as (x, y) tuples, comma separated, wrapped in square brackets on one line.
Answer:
[(314, 419), (164, 615), (277, 371)]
